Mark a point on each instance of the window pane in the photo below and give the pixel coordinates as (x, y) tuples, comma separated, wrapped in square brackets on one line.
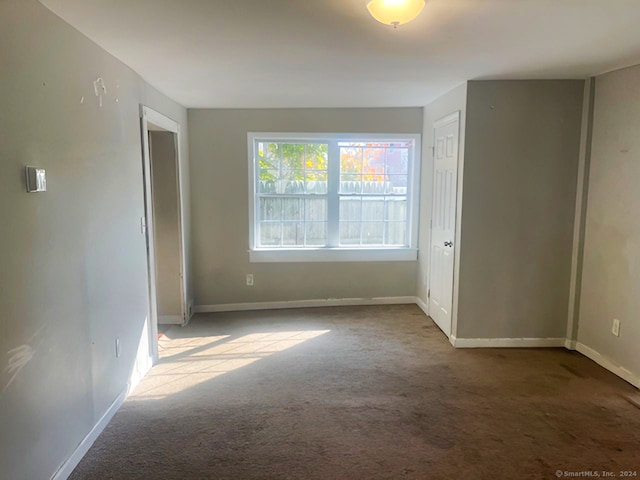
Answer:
[(267, 174), (270, 209), (373, 184), (317, 156), (292, 156), (316, 182), (397, 184), (294, 183), (270, 234), (268, 181), (395, 233), (373, 164), (293, 234), (350, 209), (373, 208), (316, 209), (397, 161), (316, 233), (349, 233), (350, 184), (372, 233), (268, 156), (293, 209), (350, 160), (374, 158), (396, 209)]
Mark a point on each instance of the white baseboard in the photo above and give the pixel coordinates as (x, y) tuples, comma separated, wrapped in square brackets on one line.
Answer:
[(456, 342), (328, 302), (170, 320), (72, 462), (507, 342), (609, 365), (423, 306)]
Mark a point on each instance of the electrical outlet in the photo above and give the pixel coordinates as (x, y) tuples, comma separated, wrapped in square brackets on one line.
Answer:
[(117, 347), (615, 327), (250, 279)]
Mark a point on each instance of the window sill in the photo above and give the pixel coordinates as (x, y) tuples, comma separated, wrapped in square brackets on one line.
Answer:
[(264, 255)]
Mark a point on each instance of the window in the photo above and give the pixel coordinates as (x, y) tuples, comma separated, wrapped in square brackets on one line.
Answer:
[(333, 197)]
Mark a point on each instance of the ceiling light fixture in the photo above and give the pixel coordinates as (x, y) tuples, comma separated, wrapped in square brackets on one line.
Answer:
[(395, 12)]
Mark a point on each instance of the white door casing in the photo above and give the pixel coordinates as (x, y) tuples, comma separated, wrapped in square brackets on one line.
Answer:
[(443, 220), (153, 120)]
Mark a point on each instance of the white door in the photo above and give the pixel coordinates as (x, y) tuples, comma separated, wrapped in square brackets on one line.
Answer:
[(443, 220)]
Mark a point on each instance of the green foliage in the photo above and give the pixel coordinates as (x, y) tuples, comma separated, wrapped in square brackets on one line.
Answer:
[(293, 161)]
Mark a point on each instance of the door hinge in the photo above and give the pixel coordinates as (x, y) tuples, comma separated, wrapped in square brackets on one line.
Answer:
[(429, 293)]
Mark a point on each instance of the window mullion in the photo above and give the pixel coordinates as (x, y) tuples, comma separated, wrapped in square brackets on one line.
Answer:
[(304, 201), (411, 204), (280, 187), (385, 204), (257, 214), (333, 201)]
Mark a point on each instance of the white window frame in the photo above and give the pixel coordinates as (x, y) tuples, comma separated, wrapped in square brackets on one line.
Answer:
[(336, 254)]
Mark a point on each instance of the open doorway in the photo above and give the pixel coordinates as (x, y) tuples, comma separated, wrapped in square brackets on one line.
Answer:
[(163, 223)]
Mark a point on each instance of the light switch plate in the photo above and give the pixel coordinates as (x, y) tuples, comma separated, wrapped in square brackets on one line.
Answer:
[(36, 179)]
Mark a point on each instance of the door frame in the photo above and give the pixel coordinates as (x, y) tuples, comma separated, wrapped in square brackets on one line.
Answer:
[(446, 120), (152, 120)]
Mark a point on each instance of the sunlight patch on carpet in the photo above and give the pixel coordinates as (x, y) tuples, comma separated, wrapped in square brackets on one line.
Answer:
[(188, 362)]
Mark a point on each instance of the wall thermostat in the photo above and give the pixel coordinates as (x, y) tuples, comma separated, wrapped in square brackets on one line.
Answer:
[(36, 179)]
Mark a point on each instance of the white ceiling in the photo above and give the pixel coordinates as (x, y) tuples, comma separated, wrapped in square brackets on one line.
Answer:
[(332, 53)]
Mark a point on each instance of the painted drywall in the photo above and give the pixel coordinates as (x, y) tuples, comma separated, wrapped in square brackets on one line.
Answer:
[(332, 53), (451, 102), (611, 264), (166, 223), (580, 219), (520, 170), (73, 272), (219, 182)]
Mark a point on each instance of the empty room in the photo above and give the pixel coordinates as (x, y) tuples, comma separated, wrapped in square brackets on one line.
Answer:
[(321, 239)]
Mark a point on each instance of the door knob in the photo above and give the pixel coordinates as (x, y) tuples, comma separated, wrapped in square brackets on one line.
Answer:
[(448, 244)]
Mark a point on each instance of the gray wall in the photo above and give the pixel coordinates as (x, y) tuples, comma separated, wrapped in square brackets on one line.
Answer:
[(166, 223), (520, 171), (451, 102), (73, 273), (611, 268), (218, 146)]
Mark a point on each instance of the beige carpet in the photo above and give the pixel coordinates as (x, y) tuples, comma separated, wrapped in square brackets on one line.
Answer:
[(362, 393)]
